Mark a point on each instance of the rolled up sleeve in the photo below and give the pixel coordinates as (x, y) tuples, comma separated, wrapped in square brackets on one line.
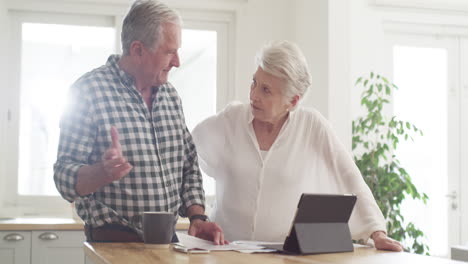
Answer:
[(77, 135), (192, 186)]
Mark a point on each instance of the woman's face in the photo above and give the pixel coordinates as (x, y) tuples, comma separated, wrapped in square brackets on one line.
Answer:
[(267, 102)]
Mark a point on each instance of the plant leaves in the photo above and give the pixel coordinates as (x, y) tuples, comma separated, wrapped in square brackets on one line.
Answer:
[(374, 141), (358, 81)]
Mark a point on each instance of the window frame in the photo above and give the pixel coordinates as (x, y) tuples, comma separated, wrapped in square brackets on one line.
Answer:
[(31, 205), (223, 24), (11, 202)]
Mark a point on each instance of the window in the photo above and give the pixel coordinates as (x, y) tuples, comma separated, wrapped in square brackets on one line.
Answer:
[(195, 81), (52, 57), (52, 51), (49, 52)]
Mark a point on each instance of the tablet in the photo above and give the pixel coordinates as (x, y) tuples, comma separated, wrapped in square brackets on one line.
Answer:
[(320, 225)]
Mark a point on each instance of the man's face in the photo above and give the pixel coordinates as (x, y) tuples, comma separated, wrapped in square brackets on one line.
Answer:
[(156, 64)]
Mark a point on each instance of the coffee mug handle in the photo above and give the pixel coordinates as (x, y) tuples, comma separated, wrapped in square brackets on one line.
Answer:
[(134, 223)]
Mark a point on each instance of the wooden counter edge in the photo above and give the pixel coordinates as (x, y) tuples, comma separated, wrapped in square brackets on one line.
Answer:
[(181, 225), (93, 255), (41, 227)]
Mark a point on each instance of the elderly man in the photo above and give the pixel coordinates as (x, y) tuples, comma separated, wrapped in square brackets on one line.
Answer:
[(124, 146)]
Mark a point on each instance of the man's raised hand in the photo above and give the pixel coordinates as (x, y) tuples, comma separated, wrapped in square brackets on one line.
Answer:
[(115, 165)]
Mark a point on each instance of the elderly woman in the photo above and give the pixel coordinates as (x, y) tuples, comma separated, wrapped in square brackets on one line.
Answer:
[(265, 154)]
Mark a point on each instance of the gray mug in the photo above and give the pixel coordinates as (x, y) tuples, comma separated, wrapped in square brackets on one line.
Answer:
[(158, 228)]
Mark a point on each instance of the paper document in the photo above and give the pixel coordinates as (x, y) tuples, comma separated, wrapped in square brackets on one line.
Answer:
[(256, 243), (195, 242)]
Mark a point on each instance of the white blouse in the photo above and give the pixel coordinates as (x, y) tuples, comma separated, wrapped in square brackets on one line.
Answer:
[(257, 195)]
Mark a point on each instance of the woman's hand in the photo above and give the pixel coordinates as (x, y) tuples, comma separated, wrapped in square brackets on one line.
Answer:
[(383, 242)]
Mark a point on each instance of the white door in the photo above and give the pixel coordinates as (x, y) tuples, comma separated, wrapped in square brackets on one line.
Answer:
[(15, 247), (427, 69), (464, 141)]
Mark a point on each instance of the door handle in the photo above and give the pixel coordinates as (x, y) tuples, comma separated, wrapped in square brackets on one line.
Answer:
[(13, 237), (453, 196), (48, 236)]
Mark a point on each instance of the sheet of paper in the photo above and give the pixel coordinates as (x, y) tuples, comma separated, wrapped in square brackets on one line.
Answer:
[(263, 250), (255, 243), (195, 242)]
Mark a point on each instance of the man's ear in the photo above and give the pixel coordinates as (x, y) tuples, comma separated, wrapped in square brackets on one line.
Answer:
[(136, 48)]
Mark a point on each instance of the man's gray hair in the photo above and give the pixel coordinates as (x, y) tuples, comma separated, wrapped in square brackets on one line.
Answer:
[(144, 21), (285, 60)]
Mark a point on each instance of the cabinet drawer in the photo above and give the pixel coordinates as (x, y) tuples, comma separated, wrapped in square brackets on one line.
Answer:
[(58, 247), (15, 247)]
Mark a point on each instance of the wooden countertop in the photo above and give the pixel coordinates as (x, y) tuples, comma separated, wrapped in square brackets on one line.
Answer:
[(28, 224), (32, 224), (104, 253)]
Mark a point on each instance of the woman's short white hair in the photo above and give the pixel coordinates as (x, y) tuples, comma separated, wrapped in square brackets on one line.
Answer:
[(285, 60), (144, 21)]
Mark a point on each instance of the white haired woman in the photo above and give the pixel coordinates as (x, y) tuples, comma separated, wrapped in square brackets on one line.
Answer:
[(265, 154)]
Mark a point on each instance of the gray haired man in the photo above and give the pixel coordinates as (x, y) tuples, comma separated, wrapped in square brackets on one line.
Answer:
[(124, 146)]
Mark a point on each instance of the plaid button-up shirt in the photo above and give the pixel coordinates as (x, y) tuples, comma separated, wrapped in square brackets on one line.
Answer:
[(165, 174)]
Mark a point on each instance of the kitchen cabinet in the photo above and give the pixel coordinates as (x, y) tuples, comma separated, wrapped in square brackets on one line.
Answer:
[(46, 240), (42, 247), (15, 247)]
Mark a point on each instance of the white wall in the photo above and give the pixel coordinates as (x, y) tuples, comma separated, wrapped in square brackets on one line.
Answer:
[(339, 70), (321, 29), (3, 77), (310, 31), (258, 21)]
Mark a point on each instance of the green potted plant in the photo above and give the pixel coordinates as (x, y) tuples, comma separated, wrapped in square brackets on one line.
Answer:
[(375, 139)]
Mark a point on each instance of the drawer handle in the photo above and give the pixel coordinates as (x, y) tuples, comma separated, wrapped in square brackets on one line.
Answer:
[(48, 236), (13, 237)]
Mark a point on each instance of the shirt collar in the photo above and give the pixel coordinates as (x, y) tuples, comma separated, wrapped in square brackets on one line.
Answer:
[(250, 116), (124, 77)]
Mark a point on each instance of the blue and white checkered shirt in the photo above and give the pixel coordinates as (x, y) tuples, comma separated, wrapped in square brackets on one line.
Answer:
[(165, 174)]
